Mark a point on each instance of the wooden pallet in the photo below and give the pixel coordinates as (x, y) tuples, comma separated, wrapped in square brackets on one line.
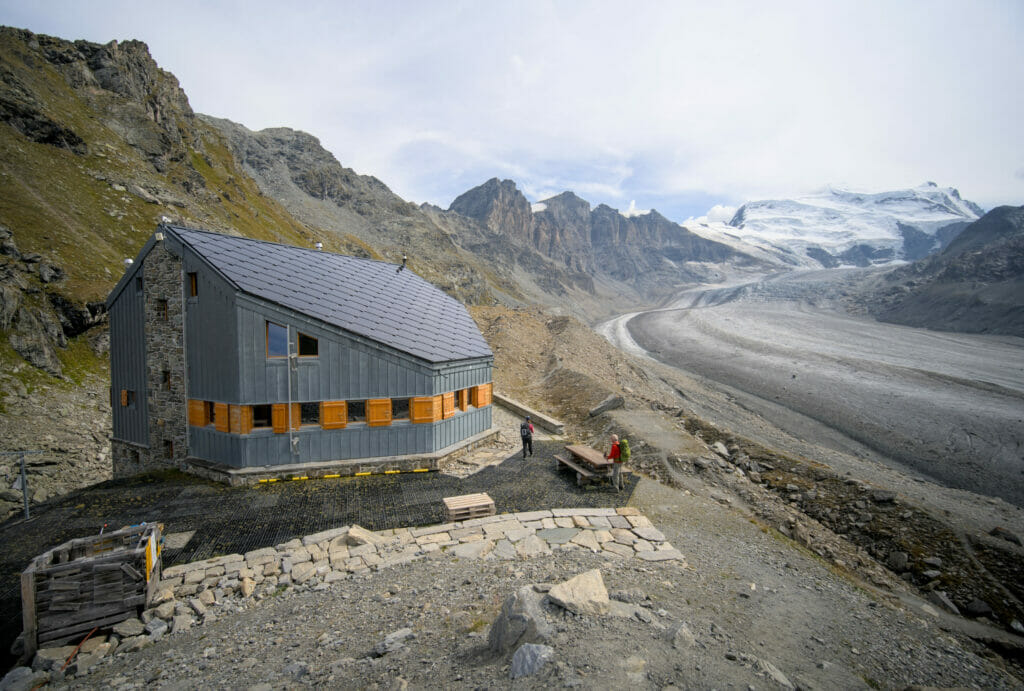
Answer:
[(89, 582), (469, 506)]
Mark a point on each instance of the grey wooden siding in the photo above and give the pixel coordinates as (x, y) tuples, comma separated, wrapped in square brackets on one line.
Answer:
[(128, 363), (347, 367), (211, 335), (265, 448)]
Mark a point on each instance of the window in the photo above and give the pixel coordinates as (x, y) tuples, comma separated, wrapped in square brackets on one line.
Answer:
[(261, 416), (399, 408), (168, 448), (161, 309), (138, 284), (127, 398), (193, 284), (309, 413), (167, 380), (277, 340), (308, 346), (357, 411), (211, 411)]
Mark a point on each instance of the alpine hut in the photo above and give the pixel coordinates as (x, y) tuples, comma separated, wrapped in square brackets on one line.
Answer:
[(237, 359)]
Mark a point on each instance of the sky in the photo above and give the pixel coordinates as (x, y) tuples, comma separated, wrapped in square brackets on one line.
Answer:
[(679, 106)]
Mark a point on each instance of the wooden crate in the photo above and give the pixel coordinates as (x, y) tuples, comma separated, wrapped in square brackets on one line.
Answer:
[(468, 506), (89, 582)]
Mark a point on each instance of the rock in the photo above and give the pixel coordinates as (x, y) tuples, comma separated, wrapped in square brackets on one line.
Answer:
[(1005, 534), (303, 572), (521, 621), (531, 546), (295, 670), (754, 476), (719, 448), (935, 562), (649, 533), (931, 574), (883, 496), (51, 659), (247, 587), (940, 598), (181, 622), (361, 536), (772, 672), (156, 628), (529, 659), (700, 464), (978, 608), (129, 628), (680, 636), (393, 642), (898, 561), (610, 403), (24, 679), (583, 594)]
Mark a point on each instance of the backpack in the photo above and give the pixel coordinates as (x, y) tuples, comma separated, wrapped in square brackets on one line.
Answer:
[(624, 450), (524, 430)]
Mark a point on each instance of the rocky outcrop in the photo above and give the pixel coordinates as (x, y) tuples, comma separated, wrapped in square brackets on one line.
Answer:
[(974, 285)]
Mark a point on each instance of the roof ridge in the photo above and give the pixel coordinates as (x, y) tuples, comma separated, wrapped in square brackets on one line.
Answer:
[(177, 228)]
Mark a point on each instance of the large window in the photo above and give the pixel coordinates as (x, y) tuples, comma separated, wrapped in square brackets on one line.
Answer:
[(308, 346), (357, 411), (399, 408), (309, 413), (277, 340)]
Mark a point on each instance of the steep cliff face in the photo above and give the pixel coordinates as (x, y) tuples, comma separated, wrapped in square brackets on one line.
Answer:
[(647, 252)]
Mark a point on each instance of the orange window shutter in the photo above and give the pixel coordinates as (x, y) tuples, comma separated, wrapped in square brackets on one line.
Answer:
[(378, 412), (124, 398), (447, 405), (197, 413), (333, 414), (463, 397), (279, 417), (436, 408), (296, 415), (234, 419), (486, 393), (245, 425), (421, 409), (220, 417)]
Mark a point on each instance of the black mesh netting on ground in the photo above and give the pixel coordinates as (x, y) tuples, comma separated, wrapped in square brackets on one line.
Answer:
[(228, 520)]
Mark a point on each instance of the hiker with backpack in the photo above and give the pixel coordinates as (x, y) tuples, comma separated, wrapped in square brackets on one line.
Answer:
[(526, 434), (618, 454)]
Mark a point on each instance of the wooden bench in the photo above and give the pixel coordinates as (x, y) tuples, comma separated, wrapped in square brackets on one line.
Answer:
[(583, 475), (468, 506)]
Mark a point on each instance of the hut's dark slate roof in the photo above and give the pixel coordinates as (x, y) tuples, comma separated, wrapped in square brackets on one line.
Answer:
[(365, 297)]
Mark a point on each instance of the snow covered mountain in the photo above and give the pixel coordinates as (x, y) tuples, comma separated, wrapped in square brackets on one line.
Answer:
[(842, 227)]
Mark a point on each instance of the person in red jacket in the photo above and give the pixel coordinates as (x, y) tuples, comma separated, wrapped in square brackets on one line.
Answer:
[(614, 455)]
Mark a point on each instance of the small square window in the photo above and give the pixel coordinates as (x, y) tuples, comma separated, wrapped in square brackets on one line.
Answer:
[(167, 379), (399, 408), (193, 284), (357, 411), (261, 416), (309, 413), (161, 309), (277, 340), (308, 346)]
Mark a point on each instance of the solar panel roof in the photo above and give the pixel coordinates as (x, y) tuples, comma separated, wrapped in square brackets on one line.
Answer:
[(362, 296)]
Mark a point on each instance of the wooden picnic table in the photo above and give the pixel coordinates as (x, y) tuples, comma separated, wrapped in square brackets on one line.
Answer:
[(589, 463)]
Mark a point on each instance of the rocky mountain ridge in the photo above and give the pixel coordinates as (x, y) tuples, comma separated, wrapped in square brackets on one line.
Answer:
[(974, 285)]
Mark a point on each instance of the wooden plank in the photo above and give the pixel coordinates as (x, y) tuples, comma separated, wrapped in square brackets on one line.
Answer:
[(575, 466), (28, 612), (72, 631)]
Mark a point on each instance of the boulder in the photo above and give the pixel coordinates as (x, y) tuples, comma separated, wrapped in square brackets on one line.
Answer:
[(978, 608), (23, 679), (521, 621), (582, 594), (129, 628), (393, 642), (610, 403), (529, 659), (940, 598), (361, 536)]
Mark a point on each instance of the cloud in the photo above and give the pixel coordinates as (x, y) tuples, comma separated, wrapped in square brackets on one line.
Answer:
[(633, 211), (656, 105)]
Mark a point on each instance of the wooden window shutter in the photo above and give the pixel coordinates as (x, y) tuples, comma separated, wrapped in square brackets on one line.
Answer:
[(448, 405), (482, 395), (197, 413), (279, 417), (333, 414), (220, 417), (240, 419), (124, 398), (425, 409), (378, 412), (296, 415), (463, 398)]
